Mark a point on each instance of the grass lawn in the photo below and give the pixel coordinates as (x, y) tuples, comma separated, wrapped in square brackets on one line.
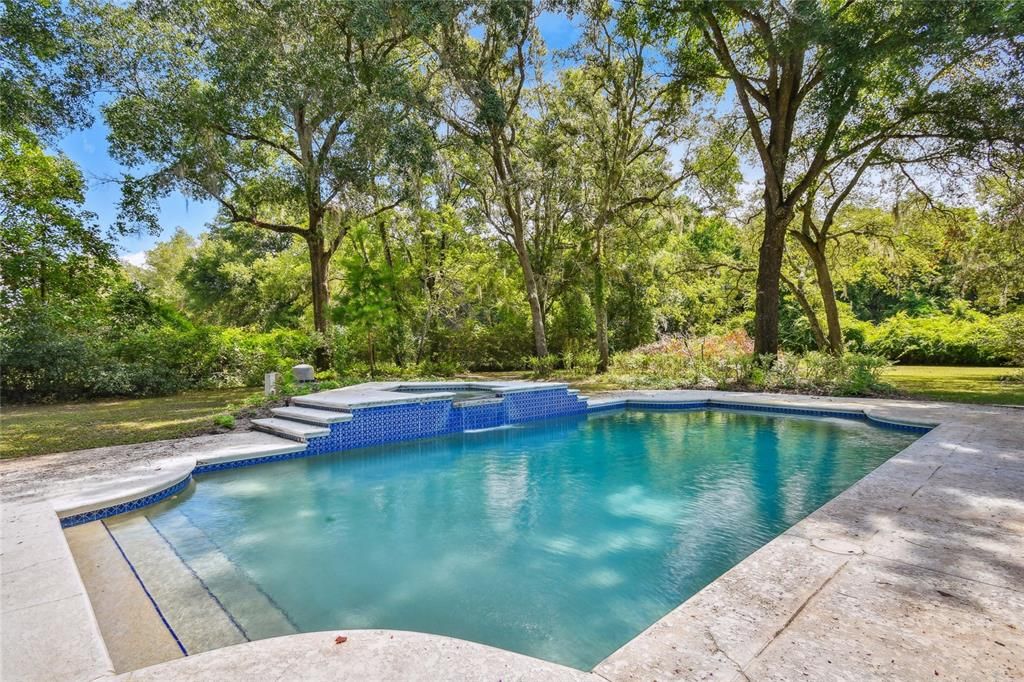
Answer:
[(952, 384), (40, 429), (957, 384)]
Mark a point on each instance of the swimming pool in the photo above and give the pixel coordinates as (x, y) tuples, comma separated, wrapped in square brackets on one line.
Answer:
[(561, 539)]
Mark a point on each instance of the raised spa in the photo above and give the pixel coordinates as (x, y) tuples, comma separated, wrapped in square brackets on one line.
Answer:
[(559, 538)]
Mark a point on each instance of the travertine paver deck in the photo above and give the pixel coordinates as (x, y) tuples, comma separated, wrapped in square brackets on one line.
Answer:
[(916, 572)]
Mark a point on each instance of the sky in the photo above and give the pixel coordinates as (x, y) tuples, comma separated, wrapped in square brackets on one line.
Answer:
[(88, 148)]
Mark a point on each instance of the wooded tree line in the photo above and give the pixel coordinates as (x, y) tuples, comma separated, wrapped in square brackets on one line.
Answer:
[(430, 182)]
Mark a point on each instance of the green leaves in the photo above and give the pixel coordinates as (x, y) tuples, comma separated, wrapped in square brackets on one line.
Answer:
[(44, 81), (49, 246)]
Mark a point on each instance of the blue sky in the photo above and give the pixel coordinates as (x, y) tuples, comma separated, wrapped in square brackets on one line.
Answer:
[(88, 148)]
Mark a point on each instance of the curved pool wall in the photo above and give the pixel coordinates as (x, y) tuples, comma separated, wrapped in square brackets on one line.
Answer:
[(432, 416)]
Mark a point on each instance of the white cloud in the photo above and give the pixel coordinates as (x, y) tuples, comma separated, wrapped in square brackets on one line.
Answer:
[(137, 259)]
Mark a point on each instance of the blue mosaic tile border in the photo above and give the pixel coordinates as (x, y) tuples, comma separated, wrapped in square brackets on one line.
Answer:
[(689, 405), (841, 414), (807, 412), (234, 464), (97, 514), (724, 405), (602, 407), (900, 426)]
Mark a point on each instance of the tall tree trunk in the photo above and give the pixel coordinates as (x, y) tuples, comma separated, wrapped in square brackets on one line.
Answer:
[(769, 273), (815, 248), (828, 298), (540, 341), (428, 317), (385, 240), (812, 317), (600, 303), (319, 261)]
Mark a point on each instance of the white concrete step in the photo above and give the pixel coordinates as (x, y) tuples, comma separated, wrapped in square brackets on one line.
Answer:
[(595, 402), (249, 446), (311, 415), (290, 429)]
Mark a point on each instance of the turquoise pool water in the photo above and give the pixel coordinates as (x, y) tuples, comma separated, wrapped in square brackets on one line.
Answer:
[(562, 539)]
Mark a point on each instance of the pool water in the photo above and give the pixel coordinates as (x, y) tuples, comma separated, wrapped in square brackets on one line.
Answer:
[(562, 539)]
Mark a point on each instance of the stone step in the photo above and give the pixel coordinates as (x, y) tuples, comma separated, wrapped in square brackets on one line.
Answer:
[(286, 428), (253, 445), (598, 402), (311, 415)]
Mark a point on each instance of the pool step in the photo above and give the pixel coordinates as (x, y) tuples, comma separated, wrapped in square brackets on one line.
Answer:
[(191, 612), (205, 598), (311, 415), (251, 447), (250, 608), (287, 428)]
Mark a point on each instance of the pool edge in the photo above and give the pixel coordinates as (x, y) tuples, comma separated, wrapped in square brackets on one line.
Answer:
[(881, 414)]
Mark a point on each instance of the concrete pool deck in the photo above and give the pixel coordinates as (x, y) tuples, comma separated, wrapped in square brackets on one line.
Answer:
[(916, 571)]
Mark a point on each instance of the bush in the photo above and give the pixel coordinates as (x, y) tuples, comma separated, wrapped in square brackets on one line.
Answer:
[(1008, 341), (727, 362), (46, 356), (580, 360), (960, 338), (226, 421)]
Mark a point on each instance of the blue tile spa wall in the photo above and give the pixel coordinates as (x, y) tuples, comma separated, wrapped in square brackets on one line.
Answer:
[(391, 423), (551, 402), (478, 416), (386, 424)]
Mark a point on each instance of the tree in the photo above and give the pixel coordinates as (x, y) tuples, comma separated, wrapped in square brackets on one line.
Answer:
[(288, 115), (816, 83), (44, 82), (480, 97), (241, 275), (619, 118), (49, 245), (162, 270)]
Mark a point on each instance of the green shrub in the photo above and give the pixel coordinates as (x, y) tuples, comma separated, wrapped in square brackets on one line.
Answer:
[(961, 338), (226, 421), (727, 362), (542, 367), (49, 356), (1007, 343)]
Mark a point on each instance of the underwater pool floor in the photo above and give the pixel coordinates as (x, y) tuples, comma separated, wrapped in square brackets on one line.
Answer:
[(561, 539)]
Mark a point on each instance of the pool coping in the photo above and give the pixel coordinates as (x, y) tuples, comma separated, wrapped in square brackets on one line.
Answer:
[(649, 654)]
